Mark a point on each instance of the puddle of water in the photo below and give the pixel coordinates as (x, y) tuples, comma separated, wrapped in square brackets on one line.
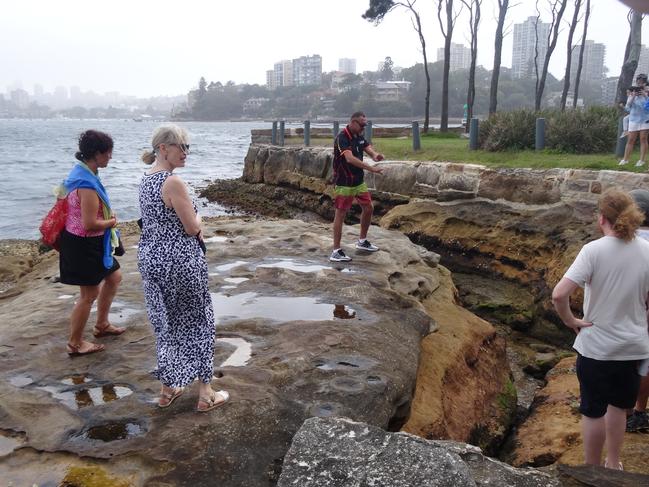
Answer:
[(240, 356), (9, 443), (347, 384), (133, 246), (345, 270), (113, 431), (324, 410), (228, 287), (76, 379), (296, 266), (251, 305), (216, 238), (226, 267), (94, 396), (236, 280), (20, 380), (122, 316), (65, 296)]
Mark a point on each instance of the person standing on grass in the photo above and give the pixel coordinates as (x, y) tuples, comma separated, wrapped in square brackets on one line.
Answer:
[(638, 121), (612, 336), (348, 174)]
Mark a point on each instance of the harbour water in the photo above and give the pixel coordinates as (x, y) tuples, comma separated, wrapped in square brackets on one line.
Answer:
[(36, 155)]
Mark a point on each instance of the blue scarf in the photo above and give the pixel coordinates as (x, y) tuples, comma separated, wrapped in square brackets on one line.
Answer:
[(82, 177)]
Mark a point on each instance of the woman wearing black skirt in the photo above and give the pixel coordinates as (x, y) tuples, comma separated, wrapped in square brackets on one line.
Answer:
[(88, 241)]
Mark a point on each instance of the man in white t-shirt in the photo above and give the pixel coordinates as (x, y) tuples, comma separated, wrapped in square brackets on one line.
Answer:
[(612, 336)]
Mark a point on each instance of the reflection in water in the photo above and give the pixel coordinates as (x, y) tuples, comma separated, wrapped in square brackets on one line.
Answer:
[(240, 356), (216, 238), (76, 379), (343, 312), (82, 398), (113, 431), (94, 396), (226, 267), (236, 280), (251, 305), (296, 266), (20, 380)]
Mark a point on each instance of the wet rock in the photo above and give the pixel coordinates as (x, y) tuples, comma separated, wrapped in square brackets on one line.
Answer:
[(313, 338), (340, 453)]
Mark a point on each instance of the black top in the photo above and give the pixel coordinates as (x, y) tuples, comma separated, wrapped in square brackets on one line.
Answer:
[(346, 174)]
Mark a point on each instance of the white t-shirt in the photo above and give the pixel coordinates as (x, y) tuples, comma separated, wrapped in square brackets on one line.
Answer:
[(615, 278)]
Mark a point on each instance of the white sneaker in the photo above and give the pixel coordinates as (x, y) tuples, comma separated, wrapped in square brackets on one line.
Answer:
[(339, 256), (619, 465), (366, 246), (639, 163), (622, 162)]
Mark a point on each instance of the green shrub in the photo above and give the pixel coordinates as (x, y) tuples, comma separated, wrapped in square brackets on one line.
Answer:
[(592, 130), (508, 131), (588, 131)]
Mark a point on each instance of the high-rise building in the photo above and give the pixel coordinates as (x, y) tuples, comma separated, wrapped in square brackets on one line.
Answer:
[(592, 69), (643, 62), (283, 73), (347, 65), (530, 42), (460, 56), (270, 79), (20, 98), (38, 91), (609, 93), (307, 70)]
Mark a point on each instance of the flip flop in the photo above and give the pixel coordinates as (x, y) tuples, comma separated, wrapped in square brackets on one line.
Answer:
[(170, 396), (109, 330), (212, 402), (75, 350)]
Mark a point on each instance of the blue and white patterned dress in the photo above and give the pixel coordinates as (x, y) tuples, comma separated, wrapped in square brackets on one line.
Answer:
[(174, 277)]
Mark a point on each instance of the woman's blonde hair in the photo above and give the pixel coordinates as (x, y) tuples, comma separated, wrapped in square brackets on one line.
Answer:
[(166, 134), (622, 213)]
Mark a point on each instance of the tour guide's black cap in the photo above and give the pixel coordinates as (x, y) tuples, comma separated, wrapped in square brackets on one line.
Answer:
[(641, 76)]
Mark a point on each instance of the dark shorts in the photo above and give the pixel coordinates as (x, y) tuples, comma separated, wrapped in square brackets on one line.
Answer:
[(81, 260), (604, 382)]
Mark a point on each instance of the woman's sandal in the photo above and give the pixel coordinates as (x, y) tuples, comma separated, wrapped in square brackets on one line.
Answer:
[(75, 350), (169, 397), (212, 401), (108, 330)]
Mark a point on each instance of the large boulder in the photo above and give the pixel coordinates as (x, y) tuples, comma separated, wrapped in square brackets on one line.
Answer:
[(337, 452)]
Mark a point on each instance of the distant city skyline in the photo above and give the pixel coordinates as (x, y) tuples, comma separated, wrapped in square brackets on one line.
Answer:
[(149, 48)]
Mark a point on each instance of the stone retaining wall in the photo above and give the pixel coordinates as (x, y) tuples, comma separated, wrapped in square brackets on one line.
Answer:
[(442, 181)]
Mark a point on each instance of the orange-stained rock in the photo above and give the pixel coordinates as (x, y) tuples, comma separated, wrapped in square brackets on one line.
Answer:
[(464, 391), (552, 432)]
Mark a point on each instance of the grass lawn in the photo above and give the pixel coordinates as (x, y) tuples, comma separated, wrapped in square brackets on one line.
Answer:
[(451, 148)]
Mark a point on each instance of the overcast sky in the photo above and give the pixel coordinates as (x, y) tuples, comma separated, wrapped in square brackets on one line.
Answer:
[(162, 47)]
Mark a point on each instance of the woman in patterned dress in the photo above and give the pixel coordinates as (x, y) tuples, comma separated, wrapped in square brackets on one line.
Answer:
[(174, 274)]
